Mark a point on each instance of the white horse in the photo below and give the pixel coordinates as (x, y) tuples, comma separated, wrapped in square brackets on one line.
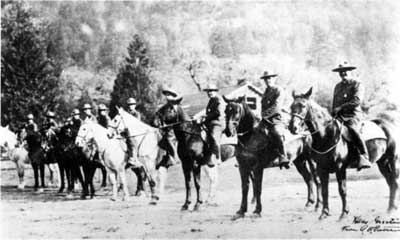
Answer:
[(145, 138), (112, 154), (15, 152)]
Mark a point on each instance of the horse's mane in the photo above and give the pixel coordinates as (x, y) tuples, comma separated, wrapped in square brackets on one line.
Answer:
[(97, 127), (249, 119), (318, 111), (133, 122)]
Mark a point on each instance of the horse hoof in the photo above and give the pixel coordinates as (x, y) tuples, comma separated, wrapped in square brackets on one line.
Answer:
[(198, 207), (113, 199), (140, 193), (83, 197), (69, 196), (153, 202), (324, 215), (237, 216), (253, 200), (255, 215), (60, 190), (392, 209), (185, 207), (343, 216)]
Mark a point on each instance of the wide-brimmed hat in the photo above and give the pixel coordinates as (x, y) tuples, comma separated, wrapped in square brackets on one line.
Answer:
[(131, 101), (268, 75), (343, 67), (30, 116), (75, 112), (87, 106), (170, 91), (172, 99), (50, 114), (211, 87), (102, 107)]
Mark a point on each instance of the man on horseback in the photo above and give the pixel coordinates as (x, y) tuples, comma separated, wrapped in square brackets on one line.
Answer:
[(76, 121), (169, 141), (132, 108), (271, 112), (50, 123), (103, 119), (215, 123), (87, 111), (31, 125), (346, 107)]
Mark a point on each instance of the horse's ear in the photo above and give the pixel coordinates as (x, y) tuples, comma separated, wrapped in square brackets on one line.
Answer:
[(294, 95), (7, 127), (228, 100), (308, 93), (241, 99)]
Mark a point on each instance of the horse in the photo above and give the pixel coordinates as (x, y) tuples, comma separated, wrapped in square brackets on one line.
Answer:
[(193, 151), (149, 153), (15, 152), (111, 153), (36, 155), (334, 154), (255, 151)]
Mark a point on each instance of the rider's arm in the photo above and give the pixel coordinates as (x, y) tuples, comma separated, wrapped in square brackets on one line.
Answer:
[(355, 99)]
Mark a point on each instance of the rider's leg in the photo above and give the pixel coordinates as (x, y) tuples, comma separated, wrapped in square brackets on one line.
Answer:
[(172, 148), (215, 132), (277, 134), (132, 151), (363, 160)]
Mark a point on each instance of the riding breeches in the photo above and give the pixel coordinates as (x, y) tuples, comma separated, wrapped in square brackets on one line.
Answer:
[(356, 138), (275, 130), (130, 145), (214, 138), (169, 143)]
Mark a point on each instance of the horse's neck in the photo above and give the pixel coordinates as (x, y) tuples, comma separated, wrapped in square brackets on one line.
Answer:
[(319, 124), (100, 137), (248, 121)]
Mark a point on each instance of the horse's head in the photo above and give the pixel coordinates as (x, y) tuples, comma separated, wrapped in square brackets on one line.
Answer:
[(234, 112), (85, 135), (299, 110), (168, 113)]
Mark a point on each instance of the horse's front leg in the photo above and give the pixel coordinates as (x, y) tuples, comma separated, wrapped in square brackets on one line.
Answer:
[(122, 175), (114, 182), (341, 179), (197, 184), (187, 171), (140, 175), (62, 170), (161, 179), (313, 169), (21, 173), (41, 169), (300, 164), (35, 168), (258, 177), (244, 178), (324, 176)]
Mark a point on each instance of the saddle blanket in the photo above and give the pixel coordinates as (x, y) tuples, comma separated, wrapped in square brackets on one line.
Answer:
[(368, 130)]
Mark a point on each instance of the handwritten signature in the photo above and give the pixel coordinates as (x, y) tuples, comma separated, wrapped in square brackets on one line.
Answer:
[(377, 224)]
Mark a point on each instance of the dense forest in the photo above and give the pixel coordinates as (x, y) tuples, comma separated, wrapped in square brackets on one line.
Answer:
[(191, 43)]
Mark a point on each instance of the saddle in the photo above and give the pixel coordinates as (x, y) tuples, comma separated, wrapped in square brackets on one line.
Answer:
[(368, 130)]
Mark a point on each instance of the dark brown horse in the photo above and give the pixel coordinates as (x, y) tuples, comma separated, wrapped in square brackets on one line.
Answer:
[(333, 154), (193, 150), (255, 151)]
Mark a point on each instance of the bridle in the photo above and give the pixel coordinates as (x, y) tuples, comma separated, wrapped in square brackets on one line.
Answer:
[(237, 122), (331, 121)]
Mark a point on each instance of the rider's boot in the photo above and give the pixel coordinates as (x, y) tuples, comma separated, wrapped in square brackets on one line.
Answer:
[(133, 160), (363, 162), (212, 160)]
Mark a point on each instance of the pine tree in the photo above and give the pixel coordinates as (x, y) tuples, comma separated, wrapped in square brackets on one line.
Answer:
[(29, 76), (133, 81)]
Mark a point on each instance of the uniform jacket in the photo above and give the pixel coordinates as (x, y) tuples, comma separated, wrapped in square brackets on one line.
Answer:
[(89, 118), (103, 120), (215, 112), (271, 102), (181, 115), (348, 95), (75, 126)]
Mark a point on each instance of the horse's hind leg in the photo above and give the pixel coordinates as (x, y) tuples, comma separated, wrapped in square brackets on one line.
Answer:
[(197, 184), (187, 174), (300, 164), (388, 170), (341, 179), (21, 173), (253, 199), (122, 175), (114, 182), (140, 175), (62, 170)]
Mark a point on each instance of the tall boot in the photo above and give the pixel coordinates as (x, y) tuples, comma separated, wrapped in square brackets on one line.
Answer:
[(363, 160), (133, 160), (173, 155), (283, 160)]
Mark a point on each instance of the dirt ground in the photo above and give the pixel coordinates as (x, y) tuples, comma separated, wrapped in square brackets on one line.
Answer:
[(25, 214)]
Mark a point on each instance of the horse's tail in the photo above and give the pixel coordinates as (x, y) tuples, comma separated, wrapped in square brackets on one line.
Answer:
[(393, 140)]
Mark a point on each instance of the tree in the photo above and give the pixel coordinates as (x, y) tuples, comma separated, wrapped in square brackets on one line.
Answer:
[(133, 81), (29, 76)]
